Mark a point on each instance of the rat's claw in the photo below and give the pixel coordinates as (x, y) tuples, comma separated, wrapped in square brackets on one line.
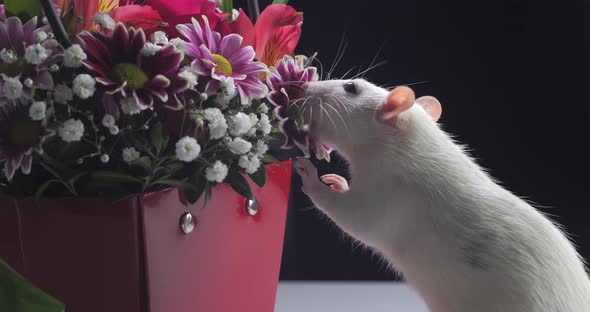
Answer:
[(305, 165), (336, 182)]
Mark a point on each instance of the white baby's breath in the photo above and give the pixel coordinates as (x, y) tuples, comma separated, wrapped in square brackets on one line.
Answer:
[(177, 43), (8, 56), (12, 87), (41, 36), (261, 148), (187, 149), (71, 130), (73, 56), (239, 146), (262, 108), (250, 163), (84, 86), (217, 172), (108, 121), (253, 121), (28, 82), (149, 49), (104, 20), (130, 154), (159, 37), (38, 110), (130, 106), (264, 124), (105, 158), (227, 87), (62, 94), (239, 124), (217, 123), (35, 54), (190, 77), (114, 130)]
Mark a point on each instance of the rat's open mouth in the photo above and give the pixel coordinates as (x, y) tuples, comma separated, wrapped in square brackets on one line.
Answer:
[(286, 81)]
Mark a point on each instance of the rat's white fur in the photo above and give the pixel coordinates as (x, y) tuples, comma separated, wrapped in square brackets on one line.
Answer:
[(461, 240)]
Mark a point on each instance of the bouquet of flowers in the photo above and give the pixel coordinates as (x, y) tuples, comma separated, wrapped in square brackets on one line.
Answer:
[(115, 97)]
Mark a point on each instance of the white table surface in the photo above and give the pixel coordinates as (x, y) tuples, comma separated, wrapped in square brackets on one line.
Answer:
[(347, 297)]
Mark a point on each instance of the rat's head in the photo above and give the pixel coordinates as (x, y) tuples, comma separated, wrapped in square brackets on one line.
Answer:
[(350, 112)]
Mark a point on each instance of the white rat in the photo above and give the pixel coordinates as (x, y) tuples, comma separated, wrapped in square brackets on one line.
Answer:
[(463, 242)]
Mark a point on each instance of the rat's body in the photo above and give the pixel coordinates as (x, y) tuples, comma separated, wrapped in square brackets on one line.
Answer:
[(461, 240)]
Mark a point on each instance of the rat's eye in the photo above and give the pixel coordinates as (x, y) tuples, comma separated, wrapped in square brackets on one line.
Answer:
[(350, 88)]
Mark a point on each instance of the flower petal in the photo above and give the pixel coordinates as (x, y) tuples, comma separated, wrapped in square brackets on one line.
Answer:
[(229, 45), (244, 27)]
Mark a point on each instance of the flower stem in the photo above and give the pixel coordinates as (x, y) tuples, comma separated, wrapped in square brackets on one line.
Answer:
[(55, 23), (254, 10)]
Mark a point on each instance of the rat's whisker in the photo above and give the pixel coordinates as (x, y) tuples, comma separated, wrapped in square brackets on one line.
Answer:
[(341, 50), (321, 68), (362, 74), (348, 107), (344, 123), (347, 72), (411, 84), (375, 58), (332, 121)]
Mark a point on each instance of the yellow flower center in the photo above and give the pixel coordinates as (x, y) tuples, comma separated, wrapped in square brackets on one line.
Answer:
[(223, 65), (25, 133), (131, 73)]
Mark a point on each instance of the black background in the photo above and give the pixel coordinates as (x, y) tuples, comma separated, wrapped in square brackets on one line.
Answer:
[(511, 76)]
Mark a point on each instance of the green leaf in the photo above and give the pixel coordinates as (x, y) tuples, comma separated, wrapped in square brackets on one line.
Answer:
[(240, 185), (17, 295), (193, 195), (41, 190), (269, 159), (259, 177), (116, 177), (23, 9), (156, 137), (208, 194), (144, 162), (280, 2), (227, 6)]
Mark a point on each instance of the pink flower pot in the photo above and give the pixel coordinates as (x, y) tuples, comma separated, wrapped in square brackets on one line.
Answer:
[(133, 255)]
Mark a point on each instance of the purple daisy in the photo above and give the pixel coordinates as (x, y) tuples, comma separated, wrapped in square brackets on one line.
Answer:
[(132, 71), (286, 84), (20, 136), (222, 58), (27, 53)]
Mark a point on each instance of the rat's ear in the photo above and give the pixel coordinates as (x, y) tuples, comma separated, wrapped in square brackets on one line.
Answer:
[(398, 101), (431, 105)]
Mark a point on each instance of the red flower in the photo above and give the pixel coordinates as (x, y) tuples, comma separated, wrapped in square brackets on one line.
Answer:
[(275, 35), (81, 12), (138, 16), (176, 12)]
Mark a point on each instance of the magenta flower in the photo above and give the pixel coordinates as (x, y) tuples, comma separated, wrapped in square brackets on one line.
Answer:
[(20, 136), (132, 72), (286, 84), (26, 53), (222, 58)]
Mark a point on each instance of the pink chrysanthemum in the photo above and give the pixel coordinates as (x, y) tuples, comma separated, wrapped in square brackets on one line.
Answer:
[(221, 58), (20, 136), (15, 39), (286, 84), (129, 70)]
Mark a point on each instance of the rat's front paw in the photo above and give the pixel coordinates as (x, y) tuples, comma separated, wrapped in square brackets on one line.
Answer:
[(309, 175), (336, 182)]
